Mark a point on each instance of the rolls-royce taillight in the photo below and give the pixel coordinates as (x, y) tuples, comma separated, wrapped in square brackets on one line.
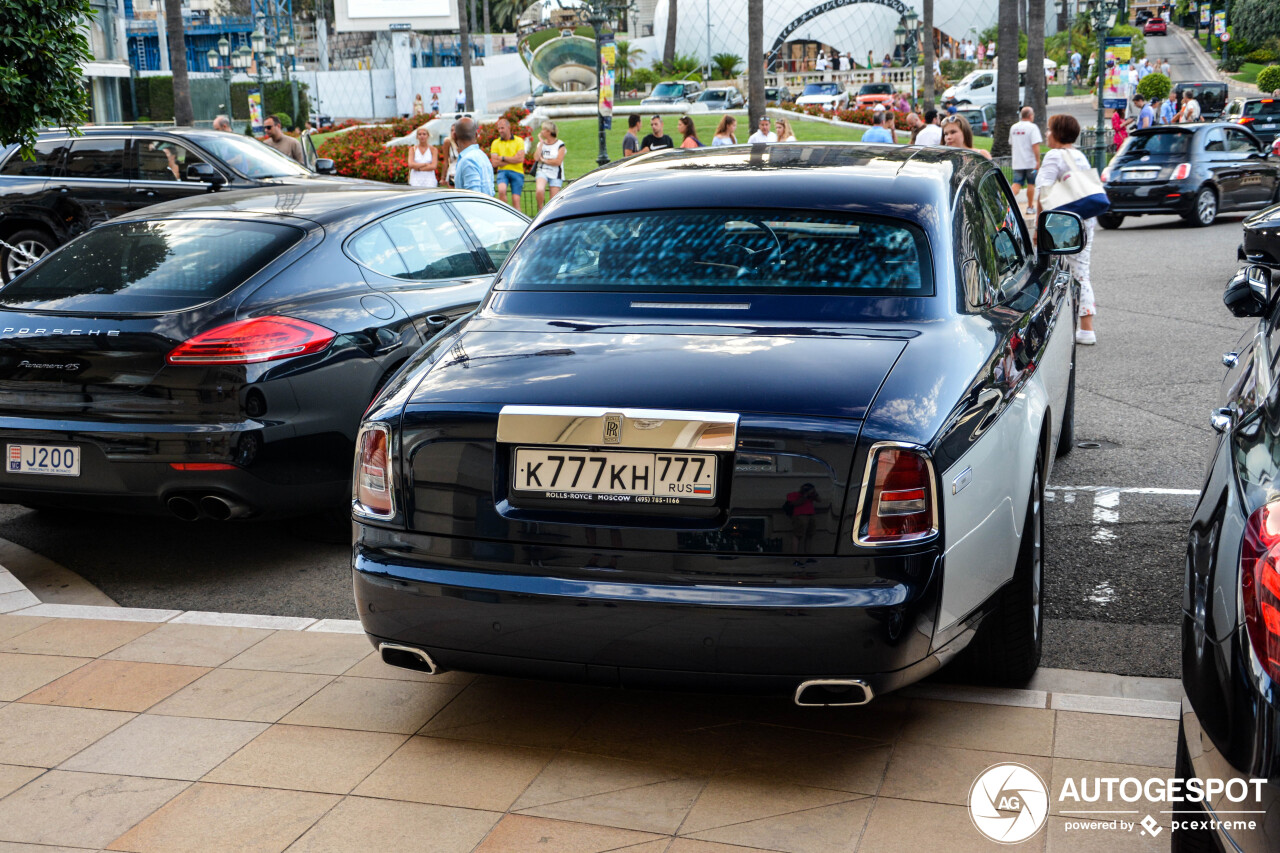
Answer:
[(1260, 585), (372, 486), (898, 502)]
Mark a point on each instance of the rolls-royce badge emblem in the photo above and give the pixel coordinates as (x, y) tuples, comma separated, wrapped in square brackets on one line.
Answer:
[(612, 428)]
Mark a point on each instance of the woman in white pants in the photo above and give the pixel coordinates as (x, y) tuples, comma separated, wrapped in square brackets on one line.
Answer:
[(1062, 158)]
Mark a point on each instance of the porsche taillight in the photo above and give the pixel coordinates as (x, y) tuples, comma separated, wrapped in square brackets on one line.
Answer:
[(1181, 172), (899, 504), (252, 341), (372, 484), (1260, 585)]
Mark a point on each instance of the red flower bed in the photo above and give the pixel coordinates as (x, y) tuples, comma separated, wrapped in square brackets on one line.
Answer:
[(362, 153), (855, 116)]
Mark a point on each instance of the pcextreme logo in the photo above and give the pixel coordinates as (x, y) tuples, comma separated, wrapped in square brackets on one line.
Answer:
[(1009, 803)]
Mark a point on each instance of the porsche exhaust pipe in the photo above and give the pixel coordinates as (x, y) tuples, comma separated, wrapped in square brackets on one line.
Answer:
[(833, 693), (183, 508), (407, 657), (219, 508)]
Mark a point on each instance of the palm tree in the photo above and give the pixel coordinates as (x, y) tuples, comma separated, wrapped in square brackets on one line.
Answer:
[(1037, 96), (929, 55), (669, 46), (755, 62), (464, 39), (182, 112), (1006, 75), (624, 56)]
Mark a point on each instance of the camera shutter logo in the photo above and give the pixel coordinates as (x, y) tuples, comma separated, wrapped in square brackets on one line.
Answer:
[(1009, 803)]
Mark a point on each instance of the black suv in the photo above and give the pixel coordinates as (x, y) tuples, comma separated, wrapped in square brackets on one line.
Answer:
[(76, 182), (1261, 115), (1210, 95)]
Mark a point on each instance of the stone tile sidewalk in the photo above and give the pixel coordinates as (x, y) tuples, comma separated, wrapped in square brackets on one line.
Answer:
[(153, 730)]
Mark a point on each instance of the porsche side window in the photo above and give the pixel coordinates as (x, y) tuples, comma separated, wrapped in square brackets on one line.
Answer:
[(426, 242)]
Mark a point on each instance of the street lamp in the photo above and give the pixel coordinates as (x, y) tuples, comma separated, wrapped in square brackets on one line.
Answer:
[(286, 47), (907, 37), (1102, 16), (220, 59), (598, 14)]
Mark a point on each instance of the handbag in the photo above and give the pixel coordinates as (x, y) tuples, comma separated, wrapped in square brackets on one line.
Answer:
[(1078, 191)]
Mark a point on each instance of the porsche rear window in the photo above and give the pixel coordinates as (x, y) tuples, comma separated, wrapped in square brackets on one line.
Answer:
[(724, 250), (147, 267)]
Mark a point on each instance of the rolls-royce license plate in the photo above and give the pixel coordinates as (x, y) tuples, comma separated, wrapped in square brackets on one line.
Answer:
[(44, 459), (572, 474)]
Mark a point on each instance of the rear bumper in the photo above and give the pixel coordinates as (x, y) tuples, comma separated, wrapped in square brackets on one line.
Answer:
[(1166, 198), (131, 467), (712, 622)]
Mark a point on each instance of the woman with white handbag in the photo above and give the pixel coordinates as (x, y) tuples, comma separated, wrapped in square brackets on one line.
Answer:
[(1067, 181)]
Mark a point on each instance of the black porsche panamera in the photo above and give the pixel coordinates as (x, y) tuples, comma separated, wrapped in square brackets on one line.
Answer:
[(211, 358)]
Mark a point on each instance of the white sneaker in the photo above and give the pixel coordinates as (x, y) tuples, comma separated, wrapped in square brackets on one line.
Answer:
[(1030, 210), (1086, 337)]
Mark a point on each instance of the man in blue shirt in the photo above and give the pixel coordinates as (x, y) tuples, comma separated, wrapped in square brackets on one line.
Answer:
[(1146, 115), (474, 170), (883, 129), (1169, 108)]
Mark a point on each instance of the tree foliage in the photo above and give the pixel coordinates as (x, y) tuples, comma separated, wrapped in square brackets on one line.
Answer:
[(726, 65), (1255, 21), (1154, 87), (42, 46), (1269, 78)]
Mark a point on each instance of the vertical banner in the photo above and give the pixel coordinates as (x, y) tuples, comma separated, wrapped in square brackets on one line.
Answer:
[(255, 111), (1115, 93), (1204, 15), (1219, 23), (608, 55)]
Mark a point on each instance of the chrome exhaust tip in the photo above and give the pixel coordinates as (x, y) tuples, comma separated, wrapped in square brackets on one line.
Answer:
[(407, 657), (219, 508), (183, 508), (833, 693)]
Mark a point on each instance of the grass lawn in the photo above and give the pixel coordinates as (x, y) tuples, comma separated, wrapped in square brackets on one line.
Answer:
[(581, 138), (1248, 72)]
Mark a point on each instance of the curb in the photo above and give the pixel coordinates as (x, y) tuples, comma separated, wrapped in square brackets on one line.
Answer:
[(1150, 700)]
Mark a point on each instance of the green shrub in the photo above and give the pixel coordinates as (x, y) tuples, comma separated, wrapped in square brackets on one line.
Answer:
[(1269, 78), (1262, 56), (955, 69), (276, 98), (642, 77), (285, 120), (726, 65), (1154, 87)]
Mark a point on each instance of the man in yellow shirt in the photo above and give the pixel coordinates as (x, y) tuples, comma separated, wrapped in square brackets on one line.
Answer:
[(507, 155)]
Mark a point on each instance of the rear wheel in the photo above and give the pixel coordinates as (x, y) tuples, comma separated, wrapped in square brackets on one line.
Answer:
[(1067, 435), (1007, 648), (29, 245), (1189, 840), (1110, 221), (1204, 209)]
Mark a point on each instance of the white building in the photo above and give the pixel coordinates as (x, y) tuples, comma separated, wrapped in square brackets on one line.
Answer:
[(848, 27)]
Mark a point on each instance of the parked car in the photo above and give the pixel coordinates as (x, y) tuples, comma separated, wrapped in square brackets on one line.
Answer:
[(1230, 722), (978, 88), (76, 182), (539, 91), (1154, 27), (982, 119), (828, 96), (776, 96), (212, 357), (1210, 95), (780, 399), (726, 98), (679, 91), (870, 94), (1193, 170), (1260, 115)]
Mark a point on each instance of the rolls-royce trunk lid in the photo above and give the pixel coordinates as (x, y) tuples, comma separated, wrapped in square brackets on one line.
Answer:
[(652, 441)]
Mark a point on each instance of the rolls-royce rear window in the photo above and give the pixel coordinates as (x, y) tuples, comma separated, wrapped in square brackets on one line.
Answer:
[(725, 250), (145, 267)]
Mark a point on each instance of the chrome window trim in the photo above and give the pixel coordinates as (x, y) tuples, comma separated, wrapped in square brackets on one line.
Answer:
[(651, 429), (872, 456)]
